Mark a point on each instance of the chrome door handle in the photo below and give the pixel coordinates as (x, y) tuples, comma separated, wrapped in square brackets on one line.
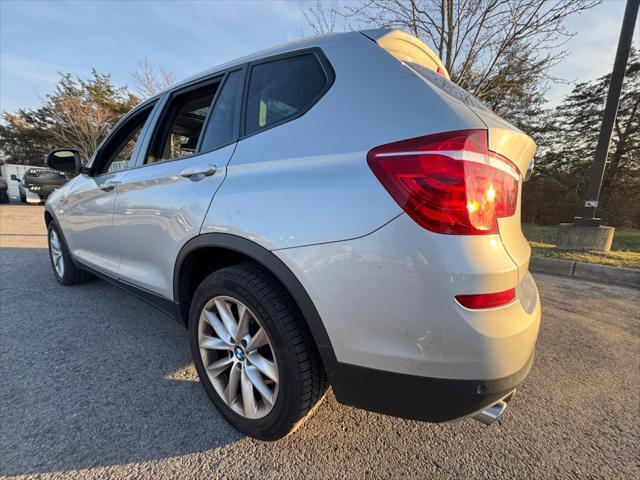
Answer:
[(109, 185), (205, 171)]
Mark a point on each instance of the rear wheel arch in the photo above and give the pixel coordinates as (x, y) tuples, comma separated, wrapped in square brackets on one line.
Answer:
[(209, 252)]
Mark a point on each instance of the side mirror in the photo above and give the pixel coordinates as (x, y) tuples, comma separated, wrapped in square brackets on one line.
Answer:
[(65, 160), (14, 177)]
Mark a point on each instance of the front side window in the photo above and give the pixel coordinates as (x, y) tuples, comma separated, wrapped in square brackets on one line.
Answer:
[(117, 153), (182, 125), (280, 89)]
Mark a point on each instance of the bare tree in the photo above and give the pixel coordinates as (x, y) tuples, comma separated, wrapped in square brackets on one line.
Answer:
[(81, 111), (494, 48), (81, 123), (321, 16), (148, 80)]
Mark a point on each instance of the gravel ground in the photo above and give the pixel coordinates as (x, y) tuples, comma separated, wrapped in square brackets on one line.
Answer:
[(96, 384)]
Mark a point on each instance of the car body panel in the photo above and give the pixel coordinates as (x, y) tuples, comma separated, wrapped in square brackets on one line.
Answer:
[(307, 181), (388, 302), (157, 211), (85, 213)]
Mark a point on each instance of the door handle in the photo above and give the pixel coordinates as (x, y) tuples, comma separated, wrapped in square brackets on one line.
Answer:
[(205, 171), (109, 185)]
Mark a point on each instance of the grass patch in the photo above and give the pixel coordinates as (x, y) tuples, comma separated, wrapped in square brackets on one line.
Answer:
[(625, 250)]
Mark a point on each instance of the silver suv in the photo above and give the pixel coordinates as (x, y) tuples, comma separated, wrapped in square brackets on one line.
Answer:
[(334, 211)]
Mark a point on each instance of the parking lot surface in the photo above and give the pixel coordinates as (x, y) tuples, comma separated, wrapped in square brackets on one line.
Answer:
[(96, 384)]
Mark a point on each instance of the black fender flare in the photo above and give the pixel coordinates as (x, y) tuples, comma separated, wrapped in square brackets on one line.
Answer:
[(277, 268)]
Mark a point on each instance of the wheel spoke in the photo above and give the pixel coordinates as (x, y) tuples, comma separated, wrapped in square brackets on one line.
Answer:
[(243, 322), (256, 379), (226, 316), (259, 340), (219, 366), (248, 400), (267, 367), (231, 392), (213, 343), (212, 319)]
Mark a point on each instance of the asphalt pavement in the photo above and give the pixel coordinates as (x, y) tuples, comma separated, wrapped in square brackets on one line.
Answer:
[(96, 384)]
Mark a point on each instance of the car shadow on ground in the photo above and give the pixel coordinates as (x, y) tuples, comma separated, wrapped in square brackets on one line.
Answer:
[(91, 376)]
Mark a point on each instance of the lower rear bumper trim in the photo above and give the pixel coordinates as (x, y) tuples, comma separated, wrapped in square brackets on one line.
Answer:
[(419, 398)]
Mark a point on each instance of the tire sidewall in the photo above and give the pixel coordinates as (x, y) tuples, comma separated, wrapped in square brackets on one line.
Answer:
[(284, 413)]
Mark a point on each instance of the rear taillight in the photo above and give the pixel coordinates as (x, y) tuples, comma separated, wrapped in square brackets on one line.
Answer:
[(486, 300), (449, 182)]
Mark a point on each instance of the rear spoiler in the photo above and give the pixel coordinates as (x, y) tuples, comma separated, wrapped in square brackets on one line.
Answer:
[(407, 48)]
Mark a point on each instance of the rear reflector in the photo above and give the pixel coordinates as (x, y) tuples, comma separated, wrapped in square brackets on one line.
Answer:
[(449, 182), (486, 300)]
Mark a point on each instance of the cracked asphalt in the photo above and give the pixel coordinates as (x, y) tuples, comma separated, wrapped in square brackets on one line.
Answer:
[(96, 384)]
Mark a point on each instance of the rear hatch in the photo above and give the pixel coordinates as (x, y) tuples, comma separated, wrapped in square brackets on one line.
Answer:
[(503, 138), (519, 148), (508, 142)]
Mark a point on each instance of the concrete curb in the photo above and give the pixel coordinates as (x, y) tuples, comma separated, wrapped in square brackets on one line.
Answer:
[(629, 277)]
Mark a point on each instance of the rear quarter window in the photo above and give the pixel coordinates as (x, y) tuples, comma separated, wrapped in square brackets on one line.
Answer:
[(282, 89)]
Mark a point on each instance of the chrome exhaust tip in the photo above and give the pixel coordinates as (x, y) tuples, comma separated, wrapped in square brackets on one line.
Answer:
[(492, 413)]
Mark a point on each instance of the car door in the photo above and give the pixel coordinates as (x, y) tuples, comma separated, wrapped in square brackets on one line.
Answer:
[(161, 204), (87, 221)]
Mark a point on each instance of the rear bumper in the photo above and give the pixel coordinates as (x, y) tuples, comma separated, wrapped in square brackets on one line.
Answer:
[(403, 346), (419, 398), (387, 301)]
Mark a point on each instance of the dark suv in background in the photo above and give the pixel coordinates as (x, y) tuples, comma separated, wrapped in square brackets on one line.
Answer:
[(41, 182)]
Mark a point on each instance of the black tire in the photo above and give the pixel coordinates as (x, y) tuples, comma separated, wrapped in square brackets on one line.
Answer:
[(71, 274), (302, 380), (4, 198)]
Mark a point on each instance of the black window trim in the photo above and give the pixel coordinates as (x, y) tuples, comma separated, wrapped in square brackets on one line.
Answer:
[(207, 120), (329, 75), (217, 77), (160, 124), (162, 101)]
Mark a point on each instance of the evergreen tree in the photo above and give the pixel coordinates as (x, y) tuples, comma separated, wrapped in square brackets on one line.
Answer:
[(567, 149)]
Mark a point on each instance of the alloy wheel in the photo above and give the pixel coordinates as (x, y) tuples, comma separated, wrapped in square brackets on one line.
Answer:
[(56, 253), (238, 357)]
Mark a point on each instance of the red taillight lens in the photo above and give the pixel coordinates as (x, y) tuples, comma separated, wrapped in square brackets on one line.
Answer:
[(486, 300), (450, 182)]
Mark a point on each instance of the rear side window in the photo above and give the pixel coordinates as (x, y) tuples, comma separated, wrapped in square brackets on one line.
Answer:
[(281, 89)]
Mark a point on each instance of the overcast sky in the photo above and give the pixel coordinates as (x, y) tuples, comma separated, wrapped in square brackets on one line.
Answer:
[(39, 39)]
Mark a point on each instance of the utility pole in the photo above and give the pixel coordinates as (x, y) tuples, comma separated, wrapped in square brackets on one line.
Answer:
[(588, 217), (586, 233)]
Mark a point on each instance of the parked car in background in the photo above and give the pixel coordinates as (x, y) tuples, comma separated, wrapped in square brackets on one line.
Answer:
[(38, 183), (334, 211)]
